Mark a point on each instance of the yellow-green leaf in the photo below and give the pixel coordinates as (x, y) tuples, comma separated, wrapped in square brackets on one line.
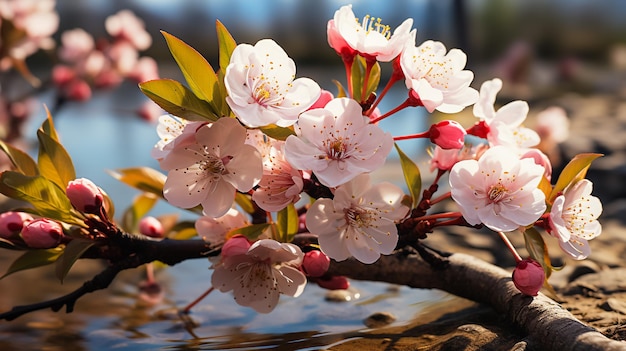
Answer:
[(183, 231), (245, 202), (537, 249), (46, 197), (178, 100), (54, 161), (22, 161), (33, 259), (251, 232), (341, 92), (73, 251), (412, 176), (574, 171), (48, 126), (141, 205), (357, 80), (142, 178), (373, 80), (287, 223), (196, 69), (276, 132), (226, 44)]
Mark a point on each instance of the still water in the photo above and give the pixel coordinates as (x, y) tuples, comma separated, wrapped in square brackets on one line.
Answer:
[(103, 135)]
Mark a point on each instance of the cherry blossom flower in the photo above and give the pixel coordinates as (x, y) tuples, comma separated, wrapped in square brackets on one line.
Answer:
[(370, 38), (505, 125), (214, 230), (438, 79), (173, 132), (261, 86), (498, 190), (337, 143), (573, 219), (359, 221), (281, 183), (209, 171), (125, 26), (257, 276)]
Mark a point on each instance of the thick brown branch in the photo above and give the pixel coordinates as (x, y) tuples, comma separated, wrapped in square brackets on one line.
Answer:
[(546, 322)]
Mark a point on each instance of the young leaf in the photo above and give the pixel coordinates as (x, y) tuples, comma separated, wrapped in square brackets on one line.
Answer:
[(48, 126), (178, 100), (196, 69), (245, 202), (412, 176), (142, 178), (141, 205), (373, 80), (574, 171), (46, 197), (226, 44), (537, 249), (287, 223), (276, 132), (341, 92), (357, 80), (251, 232), (33, 259), (22, 161), (54, 161), (182, 230), (73, 251)]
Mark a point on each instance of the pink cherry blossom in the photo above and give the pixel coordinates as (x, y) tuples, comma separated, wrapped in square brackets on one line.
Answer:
[(126, 26), (210, 171), (214, 230), (438, 79), (370, 38), (553, 124), (281, 183), (258, 275), (359, 221), (337, 143), (173, 132), (261, 86), (573, 219), (76, 44), (499, 190), (505, 124)]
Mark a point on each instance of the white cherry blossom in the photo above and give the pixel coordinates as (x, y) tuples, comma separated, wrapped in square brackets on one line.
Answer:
[(359, 221), (505, 124), (370, 38), (573, 219), (498, 190), (258, 275), (438, 79), (214, 230), (337, 143), (209, 171), (261, 86), (173, 131)]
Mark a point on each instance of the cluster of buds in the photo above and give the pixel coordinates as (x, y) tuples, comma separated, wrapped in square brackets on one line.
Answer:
[(21, 228)]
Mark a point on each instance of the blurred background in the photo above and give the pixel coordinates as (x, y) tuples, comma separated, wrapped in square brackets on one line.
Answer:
[(566, 53)]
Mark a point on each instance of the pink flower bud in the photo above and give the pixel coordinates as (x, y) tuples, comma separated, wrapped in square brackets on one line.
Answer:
[(480, 129), (324, 98), (237, 245), (62, 75), (77, 90), (528, 277), (42, 233), (315, 263), (448, 134), (84, 195), (150, 226), (11, 223), (337, 282)]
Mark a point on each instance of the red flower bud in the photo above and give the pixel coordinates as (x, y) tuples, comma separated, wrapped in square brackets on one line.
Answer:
[(150, 226), (11, 223), (42, 233), (448, 134), (337, 282), (237, 245), (315, 263), (528, 276), (480, 129), (84, 195)]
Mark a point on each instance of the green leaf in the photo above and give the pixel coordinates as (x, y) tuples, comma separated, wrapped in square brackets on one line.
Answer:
[(276, 132), (45, 196), (537, 249), (33, 259), (245, 202), (21, 160), (357, 80), (183, 231), (48, 126), (412, 176), (196, 69), (226, 44), (287, 223), (374, 80), (54, 161), (141, 205), (142, 178), (178, 100), (341, 92), (73, 251), (574, 171), (251, 232)]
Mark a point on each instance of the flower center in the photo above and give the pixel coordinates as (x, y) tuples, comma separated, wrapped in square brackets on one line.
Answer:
[(337, 149), (374, 24), (497, 192), (214, 165), (358, 217)]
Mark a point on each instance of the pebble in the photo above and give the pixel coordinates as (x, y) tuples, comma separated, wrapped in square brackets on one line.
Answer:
[(379, 319)]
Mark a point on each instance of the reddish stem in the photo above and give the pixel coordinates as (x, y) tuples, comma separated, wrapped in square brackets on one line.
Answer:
[(347, 62), (440, 198), (412, 136), (510, 246), (196, 301)]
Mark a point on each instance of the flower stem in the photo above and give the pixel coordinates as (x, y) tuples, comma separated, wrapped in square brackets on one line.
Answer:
[(390, 83), (196, 301), (438, 216), (510, 246), (413, 100), (440, 198), (412, 136), (347, 62), (369, 64)]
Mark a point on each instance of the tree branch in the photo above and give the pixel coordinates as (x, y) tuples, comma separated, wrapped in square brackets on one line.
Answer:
[(545, 321)]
